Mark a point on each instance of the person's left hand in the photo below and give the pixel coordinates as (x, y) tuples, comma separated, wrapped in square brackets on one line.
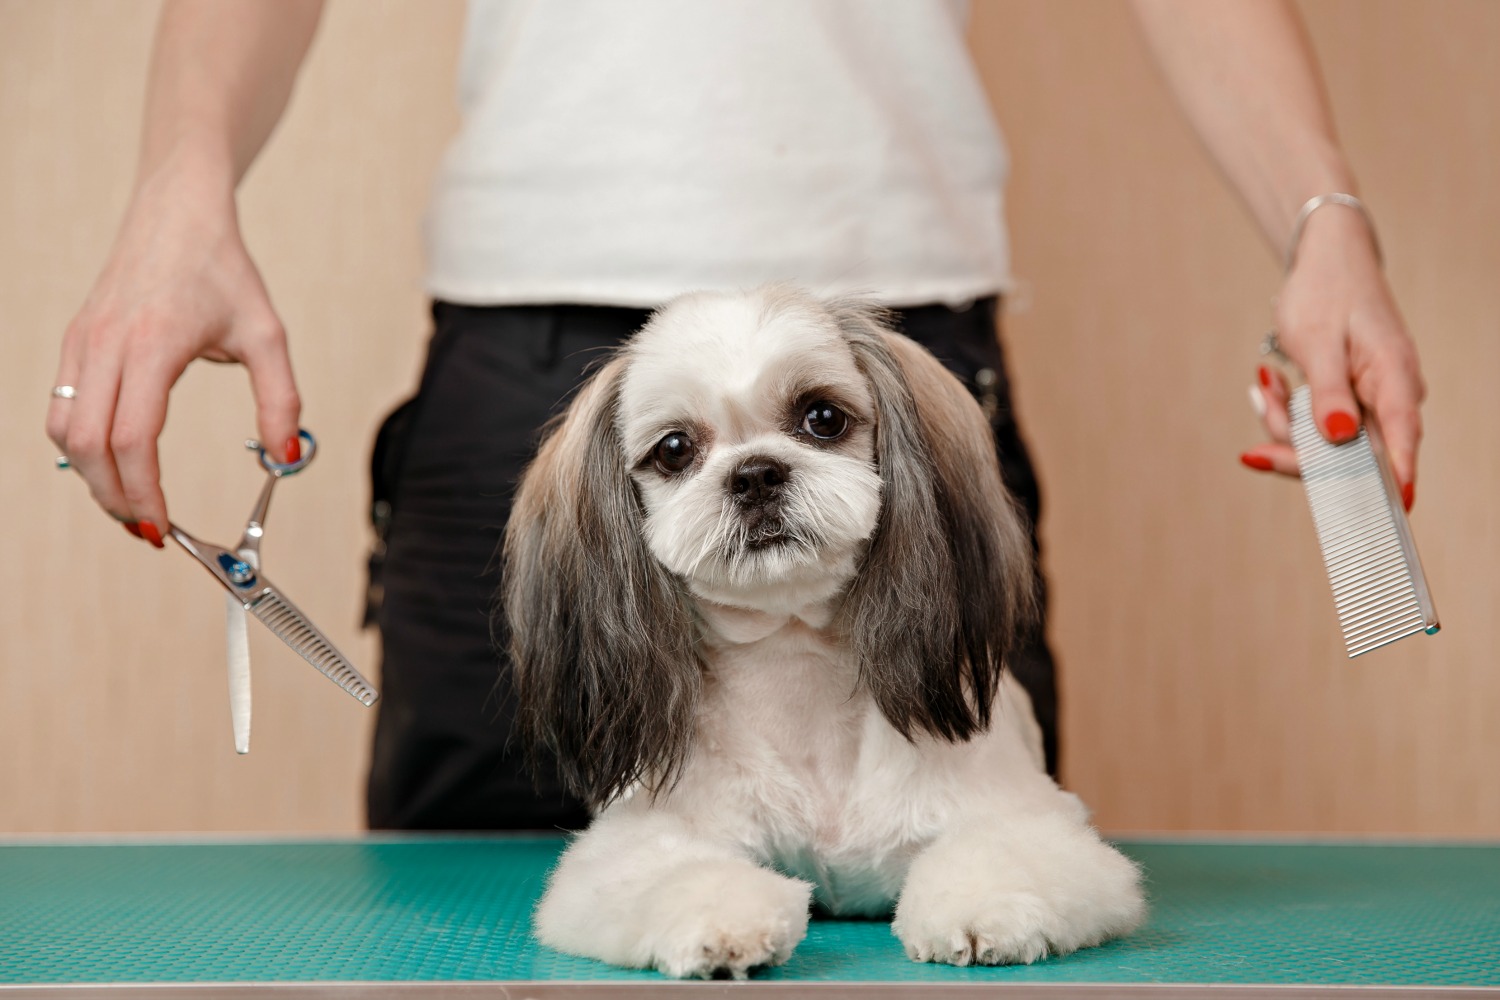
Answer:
[(1336, 318)]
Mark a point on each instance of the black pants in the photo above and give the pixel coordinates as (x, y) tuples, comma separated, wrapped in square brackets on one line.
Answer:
[(445, 468)]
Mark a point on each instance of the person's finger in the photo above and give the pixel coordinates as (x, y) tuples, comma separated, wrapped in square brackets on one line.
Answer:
[(140, 415), (1325, 359), (1397, 403), (1273, 395), (60, 411), (87, 440), (1277, 457), (278, 407)]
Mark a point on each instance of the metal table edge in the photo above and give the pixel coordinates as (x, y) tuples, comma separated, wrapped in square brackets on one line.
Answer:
[(699, 990)]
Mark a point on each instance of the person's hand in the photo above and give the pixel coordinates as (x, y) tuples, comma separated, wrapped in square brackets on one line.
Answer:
[(1336, 318), (178, 285)]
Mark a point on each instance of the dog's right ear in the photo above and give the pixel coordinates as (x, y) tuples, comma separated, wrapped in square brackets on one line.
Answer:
[(601, 637)]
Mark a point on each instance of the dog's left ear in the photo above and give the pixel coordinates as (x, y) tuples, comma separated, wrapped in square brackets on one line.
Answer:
[(947, 583)]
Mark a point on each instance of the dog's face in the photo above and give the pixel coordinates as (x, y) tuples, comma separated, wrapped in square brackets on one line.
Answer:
[(749, 431), (769, 451)]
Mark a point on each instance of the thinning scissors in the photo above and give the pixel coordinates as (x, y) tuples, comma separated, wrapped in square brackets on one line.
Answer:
[(238, 570)]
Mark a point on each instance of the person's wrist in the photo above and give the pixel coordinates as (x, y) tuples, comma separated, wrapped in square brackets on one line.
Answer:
[(1337, 233), (186, 197), (197, 166)]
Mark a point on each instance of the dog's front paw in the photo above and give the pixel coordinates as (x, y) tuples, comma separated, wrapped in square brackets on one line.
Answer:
[(1003, 929), (1016, 895), (722, 919)]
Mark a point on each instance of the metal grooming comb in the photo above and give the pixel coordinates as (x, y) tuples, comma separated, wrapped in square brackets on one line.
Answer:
[(1379, 590)]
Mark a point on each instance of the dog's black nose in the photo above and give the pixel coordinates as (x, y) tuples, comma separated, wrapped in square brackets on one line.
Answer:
[(757, 480)]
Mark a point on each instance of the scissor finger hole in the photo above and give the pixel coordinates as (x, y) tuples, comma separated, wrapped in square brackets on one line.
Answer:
[(309, 449)]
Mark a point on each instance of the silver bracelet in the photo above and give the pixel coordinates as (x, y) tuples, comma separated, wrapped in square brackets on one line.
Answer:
[(1334, 198)]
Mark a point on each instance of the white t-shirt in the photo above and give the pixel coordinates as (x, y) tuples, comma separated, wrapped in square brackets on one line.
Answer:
[(624, 152)]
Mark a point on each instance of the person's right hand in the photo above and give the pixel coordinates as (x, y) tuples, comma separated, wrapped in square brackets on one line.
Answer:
[(178, 285)]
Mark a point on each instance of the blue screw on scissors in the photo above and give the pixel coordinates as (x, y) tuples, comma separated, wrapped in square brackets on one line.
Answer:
[(238, 571)]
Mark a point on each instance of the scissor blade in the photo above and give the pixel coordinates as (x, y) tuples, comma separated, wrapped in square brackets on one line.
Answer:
[(295, 629), (239, 671)]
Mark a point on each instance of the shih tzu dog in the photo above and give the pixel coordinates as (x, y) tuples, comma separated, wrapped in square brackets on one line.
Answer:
[(760, 583)]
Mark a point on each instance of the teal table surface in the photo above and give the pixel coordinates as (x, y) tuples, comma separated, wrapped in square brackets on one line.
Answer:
[(457, 909)]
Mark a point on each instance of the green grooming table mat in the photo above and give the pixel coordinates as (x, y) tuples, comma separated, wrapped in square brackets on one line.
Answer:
[(410, 917)]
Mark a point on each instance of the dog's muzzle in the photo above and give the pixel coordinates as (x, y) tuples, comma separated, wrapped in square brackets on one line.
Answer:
[(758, 488)]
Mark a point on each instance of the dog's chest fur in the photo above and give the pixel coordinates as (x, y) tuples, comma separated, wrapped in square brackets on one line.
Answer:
[(792, 748)]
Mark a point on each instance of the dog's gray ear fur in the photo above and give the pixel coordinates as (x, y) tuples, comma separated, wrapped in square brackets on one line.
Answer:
[(946, 586), (600, 635)]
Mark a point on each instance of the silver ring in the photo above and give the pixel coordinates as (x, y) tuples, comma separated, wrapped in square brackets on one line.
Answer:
[(62, 463), (64, 392)]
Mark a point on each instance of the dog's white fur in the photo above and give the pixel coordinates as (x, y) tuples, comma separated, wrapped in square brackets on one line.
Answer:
[(796, 787)]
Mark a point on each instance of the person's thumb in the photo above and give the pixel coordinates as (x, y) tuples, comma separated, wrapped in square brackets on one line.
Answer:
[(278, 408)]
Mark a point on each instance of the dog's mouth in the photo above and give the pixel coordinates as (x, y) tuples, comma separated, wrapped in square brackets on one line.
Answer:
[(765, 530), (756, 543)]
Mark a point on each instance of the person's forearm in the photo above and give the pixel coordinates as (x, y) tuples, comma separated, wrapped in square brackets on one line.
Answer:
[(1246, 77), (1245, 74), (221, 74)]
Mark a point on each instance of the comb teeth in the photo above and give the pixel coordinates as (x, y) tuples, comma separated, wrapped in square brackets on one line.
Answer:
[(1378, 588), (292, 627)]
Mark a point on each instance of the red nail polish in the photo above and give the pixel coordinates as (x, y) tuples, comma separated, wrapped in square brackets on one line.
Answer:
[(1409, 494), (1265, 376), (150, 534), (1341, 426), (294, 449), (1259, 463), (133, 528)]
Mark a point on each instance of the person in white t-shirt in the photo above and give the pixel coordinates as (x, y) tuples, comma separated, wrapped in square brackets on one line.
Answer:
[(612, 156)]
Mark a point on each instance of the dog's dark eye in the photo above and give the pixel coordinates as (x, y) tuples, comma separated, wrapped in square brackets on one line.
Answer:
[(825, 421), (674, 453)]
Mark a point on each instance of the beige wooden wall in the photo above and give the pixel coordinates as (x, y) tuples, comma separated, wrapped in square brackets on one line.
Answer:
[(1204, 683)]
